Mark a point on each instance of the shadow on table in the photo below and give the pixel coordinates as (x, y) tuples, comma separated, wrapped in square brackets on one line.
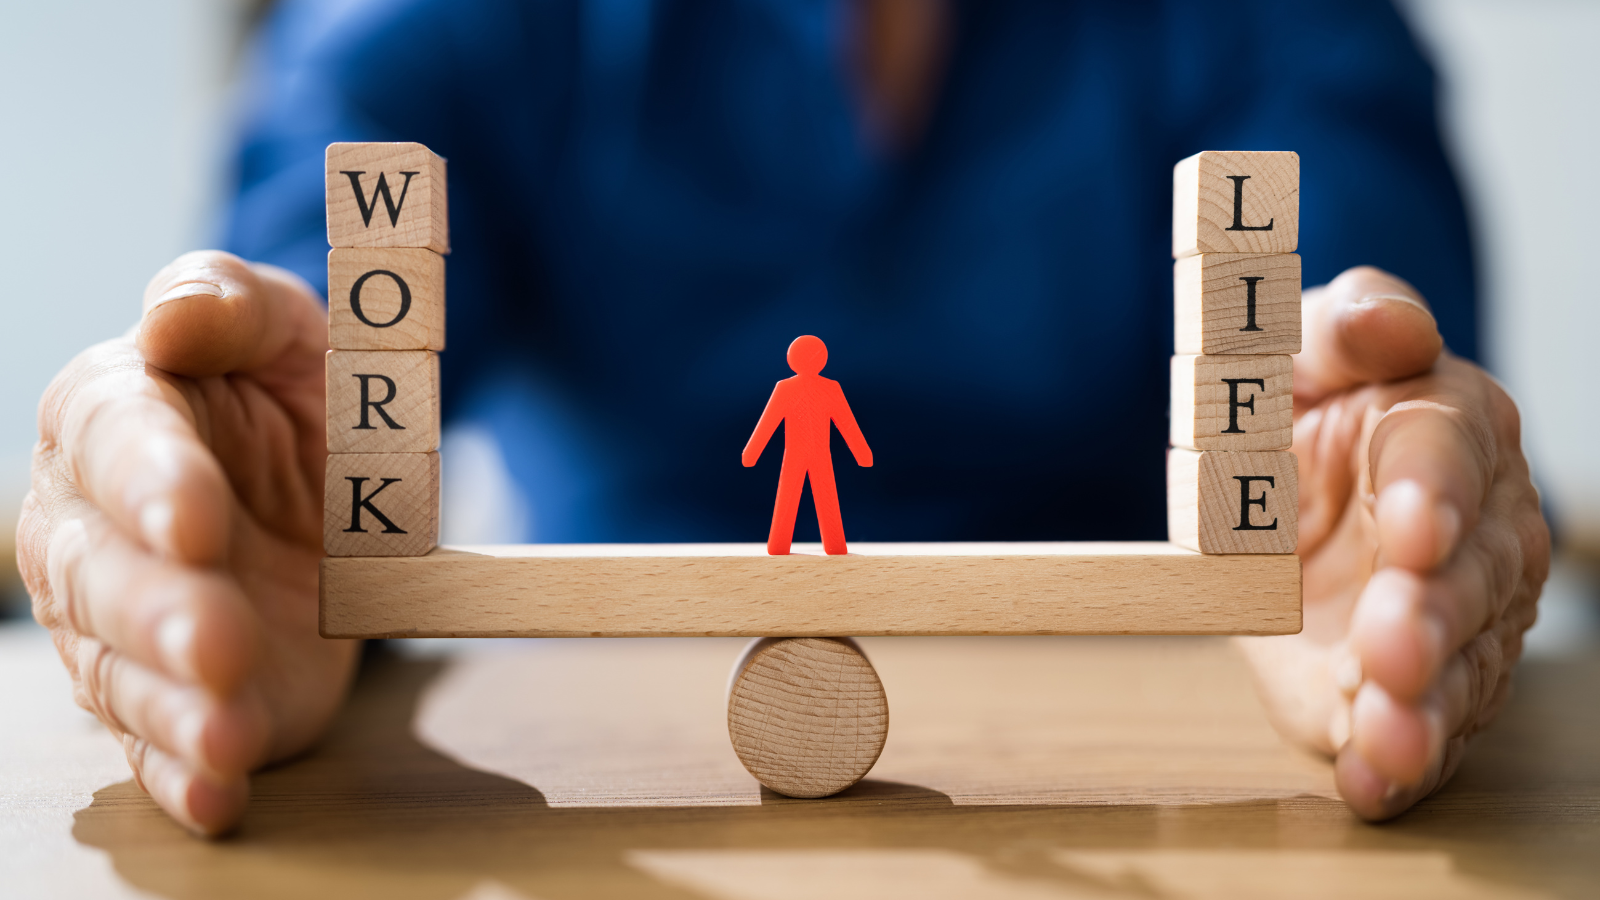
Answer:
[(375, 813)]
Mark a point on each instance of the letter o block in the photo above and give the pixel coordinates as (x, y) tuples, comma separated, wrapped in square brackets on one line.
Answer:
[(383, 401), (385, 300), (381, 504), (387, 195), (1221, 502), (1228, 201)]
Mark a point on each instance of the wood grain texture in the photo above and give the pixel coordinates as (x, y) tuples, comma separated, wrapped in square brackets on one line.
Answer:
[(1211, 304), (383, 401), (1018, 768), (409, 501), (1256, 412), (807, 716), (422, 214), (1204, 194), (1206, 501), (367, 308), (737, 590)]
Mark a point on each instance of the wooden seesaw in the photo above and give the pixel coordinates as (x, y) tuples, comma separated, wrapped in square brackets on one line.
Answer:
[(807, 713)]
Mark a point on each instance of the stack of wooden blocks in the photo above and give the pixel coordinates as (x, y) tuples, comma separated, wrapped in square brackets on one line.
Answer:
[(1232, 484), (388, 224)]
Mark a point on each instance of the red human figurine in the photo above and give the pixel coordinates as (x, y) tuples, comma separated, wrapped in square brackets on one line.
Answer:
[(809, 405)]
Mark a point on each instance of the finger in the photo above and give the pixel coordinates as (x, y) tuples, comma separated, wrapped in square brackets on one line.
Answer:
[(219, 738), (1374, 798), (211, 313), (200, 803), (1432, 461), (127, 442), (1364, 326), (1406, 626), (193, 625)]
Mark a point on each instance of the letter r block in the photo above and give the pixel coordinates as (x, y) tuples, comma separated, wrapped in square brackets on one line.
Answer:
[(387, 195), (1221, 502), (381, 504), (1236, 303), (385, 299), (383, 401), (1232, 402), (1236, 202)]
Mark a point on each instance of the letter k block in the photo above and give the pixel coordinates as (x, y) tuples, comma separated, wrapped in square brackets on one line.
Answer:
[(381, 504)]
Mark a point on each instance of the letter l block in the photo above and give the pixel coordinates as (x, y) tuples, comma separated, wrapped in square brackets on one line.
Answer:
[(1230, 201)]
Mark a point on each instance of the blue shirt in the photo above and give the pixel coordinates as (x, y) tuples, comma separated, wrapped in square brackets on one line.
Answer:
[(650, 200)]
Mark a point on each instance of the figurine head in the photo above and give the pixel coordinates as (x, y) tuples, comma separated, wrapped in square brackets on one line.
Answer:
[(807, 355)]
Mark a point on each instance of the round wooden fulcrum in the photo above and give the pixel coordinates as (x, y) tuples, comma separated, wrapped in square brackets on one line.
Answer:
[(807, 716)]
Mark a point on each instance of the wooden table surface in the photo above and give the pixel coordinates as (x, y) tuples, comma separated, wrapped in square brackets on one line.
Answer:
[(1015, 768)]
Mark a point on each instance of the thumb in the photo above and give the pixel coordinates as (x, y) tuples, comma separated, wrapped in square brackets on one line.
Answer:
[(1364, 326), (209, 313)]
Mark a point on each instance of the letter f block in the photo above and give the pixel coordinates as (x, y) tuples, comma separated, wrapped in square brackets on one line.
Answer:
[(388, 223)]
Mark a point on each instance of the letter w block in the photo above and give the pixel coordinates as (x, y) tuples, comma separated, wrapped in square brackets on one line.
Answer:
[(387, 195), (381, 504)]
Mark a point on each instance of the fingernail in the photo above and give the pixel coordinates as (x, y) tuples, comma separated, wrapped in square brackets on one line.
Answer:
[(1347, 672), (188, 289), (1376, 299), (1339, 729), (155, 523), (175, 638), (1448, 521)]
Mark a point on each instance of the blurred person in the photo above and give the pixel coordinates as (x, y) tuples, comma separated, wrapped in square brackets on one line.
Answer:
[(969, 201)]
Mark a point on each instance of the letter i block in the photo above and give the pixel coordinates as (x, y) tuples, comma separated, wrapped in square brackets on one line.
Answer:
[(1236, 303), (1236, 202), (385, 299), (1232, 402), (383, 401), (387, 195), (381, 504), (1220, 502)]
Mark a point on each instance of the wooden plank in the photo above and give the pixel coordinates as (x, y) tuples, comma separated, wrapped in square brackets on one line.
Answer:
[(737, 590), (1229, 402), (1222, 502), (1232, 201), (1244, 303)]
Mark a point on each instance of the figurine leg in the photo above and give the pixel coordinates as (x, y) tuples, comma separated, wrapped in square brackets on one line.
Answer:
[(790, 481), (825, 495)]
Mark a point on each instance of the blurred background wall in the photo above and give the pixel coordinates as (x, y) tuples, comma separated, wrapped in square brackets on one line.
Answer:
[(114, 119)]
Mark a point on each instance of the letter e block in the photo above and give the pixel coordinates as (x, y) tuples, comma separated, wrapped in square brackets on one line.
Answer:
[(1227, 201), (387, 195), (381, 504), (1220, 502), (388, 299), (1232, 402), (1236, 303), (383, 401)]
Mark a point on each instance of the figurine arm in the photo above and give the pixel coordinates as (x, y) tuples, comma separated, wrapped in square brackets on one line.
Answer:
[(846, 422), (770, 417)]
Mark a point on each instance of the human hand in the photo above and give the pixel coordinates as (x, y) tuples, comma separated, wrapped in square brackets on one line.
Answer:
[(1422, 542), (172, 534)]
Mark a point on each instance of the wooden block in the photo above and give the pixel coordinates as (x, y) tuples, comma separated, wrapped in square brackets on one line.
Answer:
[(385, 299), (807, 716), (1233, 402), (1219, 502), (1236, 303), (1230, 201), (380, 504), (387, 195), (383, 401), (737, 590)]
